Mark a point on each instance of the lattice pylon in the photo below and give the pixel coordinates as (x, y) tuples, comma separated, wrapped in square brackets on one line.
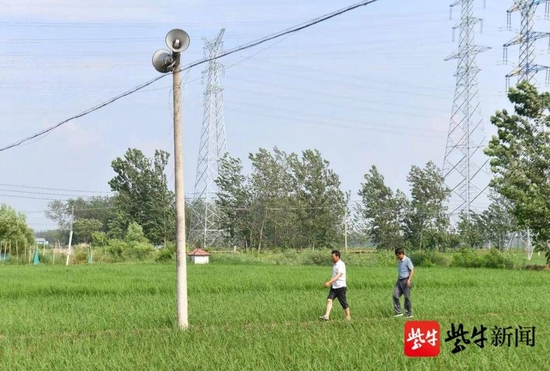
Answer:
[(526, 68), (205, 228), (525, 239), (464, 159)]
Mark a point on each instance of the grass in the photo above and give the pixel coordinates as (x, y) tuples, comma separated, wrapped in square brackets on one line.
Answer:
[(257, 317)]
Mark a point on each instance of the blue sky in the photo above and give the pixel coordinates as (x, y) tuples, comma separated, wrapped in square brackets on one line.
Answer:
[(368, 88)]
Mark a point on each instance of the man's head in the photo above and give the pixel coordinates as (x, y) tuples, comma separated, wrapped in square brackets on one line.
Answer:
[(335, 255), (399, 253)]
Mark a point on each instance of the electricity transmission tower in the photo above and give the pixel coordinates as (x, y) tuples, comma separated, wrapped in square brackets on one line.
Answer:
[(527, 68), (466, 139), (523, 238), (205, 229)]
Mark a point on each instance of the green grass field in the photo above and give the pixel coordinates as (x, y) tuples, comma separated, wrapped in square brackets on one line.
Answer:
[(252, 317)]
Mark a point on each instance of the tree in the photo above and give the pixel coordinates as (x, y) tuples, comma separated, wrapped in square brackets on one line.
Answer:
[(383, 210), (321, 203), (59, 212), (498, 222), (357, 227), (143, 196), (471, 230), (99, 239), (234, 201), (427, 214), (286, 201), (101, 208), (274, 222), (85, 228), (520, 160), (135, 234), (14, 230)]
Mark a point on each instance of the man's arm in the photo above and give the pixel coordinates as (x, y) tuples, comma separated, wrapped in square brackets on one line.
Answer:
[(329, 283), (411, 273)]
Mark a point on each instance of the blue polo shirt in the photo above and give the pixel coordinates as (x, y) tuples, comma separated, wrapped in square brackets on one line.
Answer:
[(404, 267)]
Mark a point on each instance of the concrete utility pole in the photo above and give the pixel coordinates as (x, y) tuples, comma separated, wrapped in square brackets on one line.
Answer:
[(180, 203), (346, 212), (169, 61), (346, 229), (70, 236)]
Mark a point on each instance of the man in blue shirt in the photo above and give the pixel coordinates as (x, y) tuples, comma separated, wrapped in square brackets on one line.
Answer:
[(405, 271)]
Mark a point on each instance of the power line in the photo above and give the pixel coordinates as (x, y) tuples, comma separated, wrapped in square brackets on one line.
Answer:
[(51, 189), (85, 113), (84, 209), (44, 193), (361, 125), (33, 198), (213, 24), (206, 60)]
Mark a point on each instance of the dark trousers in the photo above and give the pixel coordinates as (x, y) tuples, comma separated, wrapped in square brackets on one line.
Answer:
[(402, 289), (340, 294)]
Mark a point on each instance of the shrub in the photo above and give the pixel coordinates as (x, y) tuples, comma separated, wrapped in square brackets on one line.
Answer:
[(135, 233), (45, 258), (427, 259), (80, 256), (536, 267), (290, 257), (317, 258), (421, 259), (116, 249), (167, 253), (138, 251), (385, 258), (496, 259), (245, 258), (99, 239), (467, 258)]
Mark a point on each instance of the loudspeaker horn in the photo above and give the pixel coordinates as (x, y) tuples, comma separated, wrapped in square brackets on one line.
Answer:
[(163, 60), (177, 40)]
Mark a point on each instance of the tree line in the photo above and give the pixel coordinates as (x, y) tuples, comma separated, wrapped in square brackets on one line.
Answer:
[(287, 201), (291, 200)]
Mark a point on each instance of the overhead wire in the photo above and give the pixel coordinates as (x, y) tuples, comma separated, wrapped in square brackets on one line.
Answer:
[(393, 16), (221, 55), (45, 193), (300, 119), (363, 98), (52, 189), (32, 198)]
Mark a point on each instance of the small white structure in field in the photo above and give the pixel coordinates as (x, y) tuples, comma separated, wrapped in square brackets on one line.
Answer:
[(199, 256)]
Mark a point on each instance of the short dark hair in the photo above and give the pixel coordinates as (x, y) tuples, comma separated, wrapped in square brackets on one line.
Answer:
[(335, 252), (399, 251)]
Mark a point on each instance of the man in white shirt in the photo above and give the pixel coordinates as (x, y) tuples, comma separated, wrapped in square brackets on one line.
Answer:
[(337, 286)]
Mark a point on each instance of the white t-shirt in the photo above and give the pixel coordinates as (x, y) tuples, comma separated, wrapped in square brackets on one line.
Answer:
[(339, 267)]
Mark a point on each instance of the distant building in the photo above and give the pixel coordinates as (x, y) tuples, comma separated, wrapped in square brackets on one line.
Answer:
[(199, 256), (41, 241)]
